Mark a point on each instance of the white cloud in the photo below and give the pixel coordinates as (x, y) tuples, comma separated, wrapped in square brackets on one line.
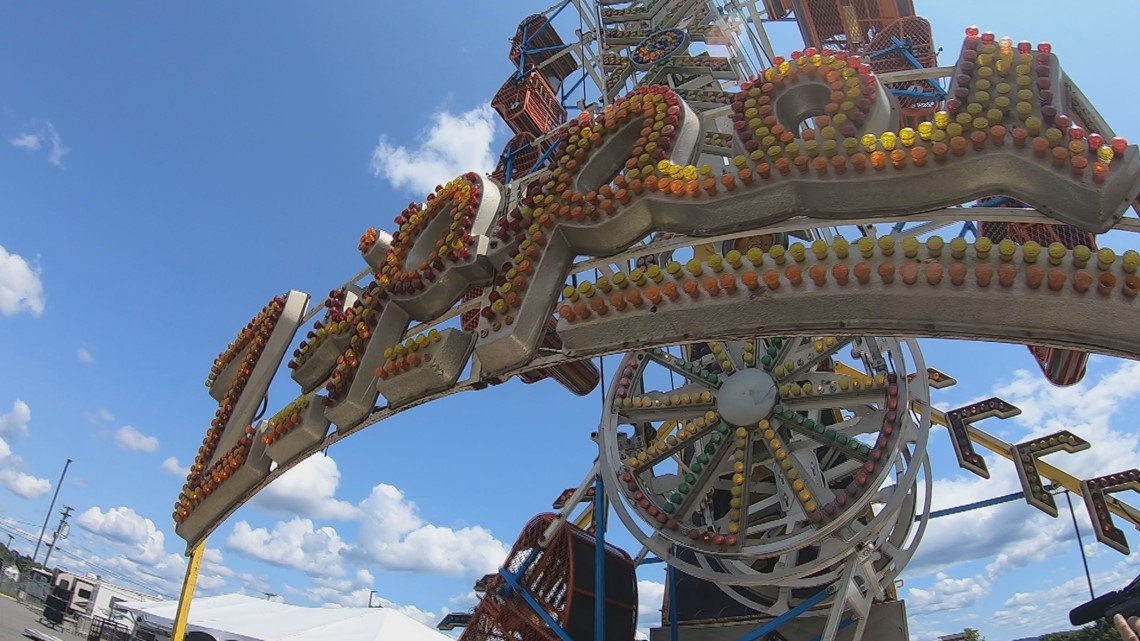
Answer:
[(1015, 534), (15, 422), (947, 593), (26, 141), (172, 467), (46, 135), (308, 490), (650, 595), (132, 440), (24, 485), (102, 416), (450, 146), (21, 289), (393, 535), (85, 356), (296, 544), (145, 542)]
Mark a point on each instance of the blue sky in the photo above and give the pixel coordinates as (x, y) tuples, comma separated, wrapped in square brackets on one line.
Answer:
[(166, 171)]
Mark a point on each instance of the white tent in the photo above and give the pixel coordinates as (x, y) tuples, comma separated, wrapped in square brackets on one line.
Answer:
[(238, 617)]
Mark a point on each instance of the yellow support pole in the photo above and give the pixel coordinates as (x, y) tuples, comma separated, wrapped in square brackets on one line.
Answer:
[(178, 633)]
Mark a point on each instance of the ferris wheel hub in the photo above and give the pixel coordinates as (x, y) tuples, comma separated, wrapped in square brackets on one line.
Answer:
[(747, 397)]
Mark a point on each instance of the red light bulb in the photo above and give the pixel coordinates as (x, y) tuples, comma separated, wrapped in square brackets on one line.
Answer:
[(811, 51), (988, 38), (1063, 122), (1119, 146), (777, 61), (972, 31), (1044, 47), (1076, 132), (1024, 47), (796, 55), (1095, 141)]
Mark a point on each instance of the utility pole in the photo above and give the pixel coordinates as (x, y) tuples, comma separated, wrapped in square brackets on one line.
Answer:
[(9, 546), (61, 530), (51, 508)]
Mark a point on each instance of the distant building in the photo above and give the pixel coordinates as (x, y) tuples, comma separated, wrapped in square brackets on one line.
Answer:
[(957, 636), (89, 597), (81, 589)]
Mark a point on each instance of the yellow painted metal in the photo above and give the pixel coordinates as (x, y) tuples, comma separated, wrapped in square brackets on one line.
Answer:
[(1001, 448), (192, 568), (1058, 476), (586, 520)]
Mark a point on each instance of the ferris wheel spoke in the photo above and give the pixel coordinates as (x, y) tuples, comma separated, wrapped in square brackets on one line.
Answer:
[(806, 490), (808, 396), (666, 412), (823, 434), (842, 470), (665, 447), (702, 474), (689, 369), (806, 355)]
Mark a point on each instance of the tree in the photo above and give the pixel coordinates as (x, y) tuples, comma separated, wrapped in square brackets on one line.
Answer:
[(974, 635), (1100, 631)]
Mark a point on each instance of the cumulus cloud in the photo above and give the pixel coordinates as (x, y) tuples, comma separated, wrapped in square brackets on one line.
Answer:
[(393, 535), (85, 356), (296, 544), (451, 145), (172, 467), (650, 596), (307, 490), (145, 543), (21, 289), (46, 137), (15, 422), (390, 532), (130, 439), (24, 485), (17, 482), (1015, 534)]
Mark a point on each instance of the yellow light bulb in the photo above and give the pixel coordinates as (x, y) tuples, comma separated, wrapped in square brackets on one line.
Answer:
[(906, 136)]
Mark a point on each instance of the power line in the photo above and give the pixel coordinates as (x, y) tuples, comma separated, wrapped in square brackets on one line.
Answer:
[(61, 530)]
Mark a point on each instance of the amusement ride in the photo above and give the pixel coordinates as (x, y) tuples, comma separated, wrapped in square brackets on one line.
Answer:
[(712, 212)]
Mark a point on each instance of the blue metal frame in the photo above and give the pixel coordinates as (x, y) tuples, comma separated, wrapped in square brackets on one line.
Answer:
[(513, 583), (527, 37), (778, 622), (902, 47), (600, 509)]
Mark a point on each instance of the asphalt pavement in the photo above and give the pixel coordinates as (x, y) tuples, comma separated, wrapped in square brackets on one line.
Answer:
[(14, 617)]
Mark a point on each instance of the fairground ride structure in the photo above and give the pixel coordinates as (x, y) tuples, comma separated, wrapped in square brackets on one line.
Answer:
[(760, 236)]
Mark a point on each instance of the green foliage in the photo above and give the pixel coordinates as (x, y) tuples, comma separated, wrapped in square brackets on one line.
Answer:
[(974, 635), (1099, 631)]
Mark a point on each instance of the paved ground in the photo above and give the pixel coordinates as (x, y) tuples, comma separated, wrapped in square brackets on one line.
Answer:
[(14, 617)]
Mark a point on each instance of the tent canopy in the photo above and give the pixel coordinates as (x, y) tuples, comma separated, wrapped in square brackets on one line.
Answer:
[(238, 617)]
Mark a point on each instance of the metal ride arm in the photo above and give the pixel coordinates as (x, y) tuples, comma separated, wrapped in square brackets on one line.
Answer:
[(1057, 475)]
